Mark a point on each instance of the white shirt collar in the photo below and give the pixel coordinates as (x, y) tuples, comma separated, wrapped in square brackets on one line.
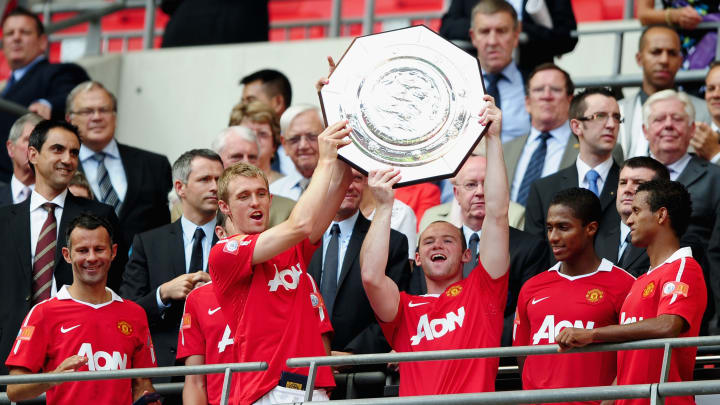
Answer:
[(679, 254), (560, 134), (188, 228), (16, 187), (36, 200), (111, 149), (677, 167), (64, 294), (346, 225), (468, 233), (605, 265), (602, 169)]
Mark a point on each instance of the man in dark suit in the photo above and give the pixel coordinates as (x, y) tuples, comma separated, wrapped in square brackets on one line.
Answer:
[(337, 274), (36, 83), (134, 181), (33, 232), (166, 263), (23, 178), (669, 126), (529, 255), (614, 243), (542, 44), (595, 120)]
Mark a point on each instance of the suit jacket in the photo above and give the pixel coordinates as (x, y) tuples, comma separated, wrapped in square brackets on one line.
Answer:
[(157, 256), (542, 44), (627, 109), (16, 288), (529, 256), (149, 180), (5, 195), (356, 329), (607, 244), (543, 191), (516, 215), (50, 81)]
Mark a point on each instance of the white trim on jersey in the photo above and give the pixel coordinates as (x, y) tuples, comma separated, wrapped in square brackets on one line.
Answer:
[(605, 265), (64, 294), (25, 322), (679, 254), (321, 313), (678, 277)]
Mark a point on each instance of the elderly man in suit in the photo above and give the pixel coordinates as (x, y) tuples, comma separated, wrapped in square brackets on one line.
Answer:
[(660, 58), (669, 123), (707, 135), (23, 178), (336, 270), (33, 232), (36, 83), (595, 120), (118, 174), (166, 263)]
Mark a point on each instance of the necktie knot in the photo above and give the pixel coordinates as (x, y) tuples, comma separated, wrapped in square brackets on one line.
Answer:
[(544, 136), (335, 230), (628, 238), (304, 183), (474, 238), (592, 177), (199, 234), (494, 78), (99, 157), (49, 207)]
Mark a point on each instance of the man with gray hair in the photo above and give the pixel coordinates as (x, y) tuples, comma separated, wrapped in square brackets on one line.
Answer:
[(240, 144), (118, 174), (168, 262), (300, 126), (22, 181), (669, 124)]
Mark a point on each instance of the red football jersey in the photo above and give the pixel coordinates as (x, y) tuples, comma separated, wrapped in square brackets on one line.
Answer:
[(274, 309), (467, 315), (552, 301), (113, 336), (204, 331), (676, 287)]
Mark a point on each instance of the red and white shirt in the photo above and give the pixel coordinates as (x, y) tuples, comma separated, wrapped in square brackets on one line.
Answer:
[(274, 309), (676, 287), (467, 315), (205, 332), (552, 301), (113, 336)]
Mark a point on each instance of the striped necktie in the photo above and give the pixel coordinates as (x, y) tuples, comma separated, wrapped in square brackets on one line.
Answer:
[(44, 260), (534, 168), (107, 192)]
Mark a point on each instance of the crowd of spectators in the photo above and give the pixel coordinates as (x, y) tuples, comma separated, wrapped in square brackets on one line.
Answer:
[(573, 199)]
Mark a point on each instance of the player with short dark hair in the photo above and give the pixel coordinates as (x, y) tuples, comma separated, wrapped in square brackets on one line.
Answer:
[(581, 290), (85, 326), (668, 301)]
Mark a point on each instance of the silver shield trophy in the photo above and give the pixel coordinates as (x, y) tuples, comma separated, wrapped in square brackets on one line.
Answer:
[(411, 98)]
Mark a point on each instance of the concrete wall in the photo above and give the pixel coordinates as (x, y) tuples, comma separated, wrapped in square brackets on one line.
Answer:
[(172, 100)]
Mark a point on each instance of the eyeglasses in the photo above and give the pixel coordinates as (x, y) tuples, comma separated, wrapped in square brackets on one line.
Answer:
[(88, 112), (602, 117), (470, 186), (295, 140)]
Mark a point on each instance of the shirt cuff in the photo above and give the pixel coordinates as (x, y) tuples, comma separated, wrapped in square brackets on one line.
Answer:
[(715, 159), (161, 306)]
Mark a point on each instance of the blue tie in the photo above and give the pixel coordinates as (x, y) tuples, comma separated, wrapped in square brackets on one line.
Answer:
[(492, 88), (534, 168), (592, 177)]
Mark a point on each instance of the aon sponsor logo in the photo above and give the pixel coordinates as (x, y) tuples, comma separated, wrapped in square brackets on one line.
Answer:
[(100, 360), (437, 328), (288, 278), (549, 329), (624, 320)]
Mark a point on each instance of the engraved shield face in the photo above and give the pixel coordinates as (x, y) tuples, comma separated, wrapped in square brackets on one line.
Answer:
[(412, 100)]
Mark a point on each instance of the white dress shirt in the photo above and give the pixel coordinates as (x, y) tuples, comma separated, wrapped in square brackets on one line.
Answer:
[(113, 164), (556, 145), (677, 167), (624, 231), (468, 233), (19, 191), (603, 169), (38, 215), (288, 186), (404, 221), (346, 227)]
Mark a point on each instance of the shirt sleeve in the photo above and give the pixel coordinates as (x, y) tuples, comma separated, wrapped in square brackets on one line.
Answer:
[(686, 294), (521, 325), (307, 249), (191, 340), (391, 328), (495, 289), (319, 306), (144, 355), (230, 262), (30, 347)]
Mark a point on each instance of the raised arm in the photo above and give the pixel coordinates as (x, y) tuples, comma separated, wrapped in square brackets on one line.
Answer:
[(316, 207), (381, 290), (494, 249)]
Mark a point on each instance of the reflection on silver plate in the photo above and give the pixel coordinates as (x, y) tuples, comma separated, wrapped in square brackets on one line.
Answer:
[(409, 96)]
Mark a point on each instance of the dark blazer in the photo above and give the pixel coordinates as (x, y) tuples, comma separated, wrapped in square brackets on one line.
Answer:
[(529, 256), (149, 180), (16, 288), (5, 195), (543, 191), (50, 81), (209, 22), (607, 244), (356, 329), (157, 256)]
